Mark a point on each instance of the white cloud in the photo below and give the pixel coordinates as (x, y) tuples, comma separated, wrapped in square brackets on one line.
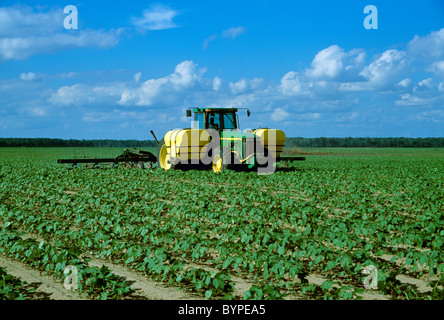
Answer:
[(25, 32), (216, 83), (438, 68), (428, 47), (168, 89), (291, 85), (436, 116), (18, 21), (35, 111), (405, 83), (208, 40), (30, 76), (133, 93), (239, 86), (423, 85), (409, 99), (84, 95), (279, 114), (327, 63), (233, 32), (244, 85), (145, 95), (158, 17), (137, 77), (381, 74), (230, 33), (186, 74), (334, 63), (383, 68), (332, 71)]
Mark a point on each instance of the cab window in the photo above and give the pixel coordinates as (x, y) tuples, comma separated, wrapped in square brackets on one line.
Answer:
[(214, 121), (198, 122), (229, 121)]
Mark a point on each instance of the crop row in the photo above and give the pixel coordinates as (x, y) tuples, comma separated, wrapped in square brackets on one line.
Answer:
[(12, 288), (96, 282)]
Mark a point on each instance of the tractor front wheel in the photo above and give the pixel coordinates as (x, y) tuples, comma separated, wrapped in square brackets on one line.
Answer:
[(218, 163), (163, 157)]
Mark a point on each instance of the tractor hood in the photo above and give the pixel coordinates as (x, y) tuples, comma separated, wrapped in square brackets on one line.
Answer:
[(237, 135)]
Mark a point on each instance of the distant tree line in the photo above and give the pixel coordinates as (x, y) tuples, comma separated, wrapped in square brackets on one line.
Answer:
[(365, 142), (48, 142), (289, 143)]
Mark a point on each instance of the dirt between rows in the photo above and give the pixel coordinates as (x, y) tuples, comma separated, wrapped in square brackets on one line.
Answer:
[(47, 288)]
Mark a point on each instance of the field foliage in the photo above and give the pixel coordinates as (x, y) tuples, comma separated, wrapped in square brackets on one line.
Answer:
[(327, 217)]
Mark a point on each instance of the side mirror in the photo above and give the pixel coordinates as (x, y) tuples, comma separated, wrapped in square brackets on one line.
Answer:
[(188, 113), (248, 113)]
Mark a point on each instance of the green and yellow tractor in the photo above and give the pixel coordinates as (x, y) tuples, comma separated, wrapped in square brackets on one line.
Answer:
[(215, 141)]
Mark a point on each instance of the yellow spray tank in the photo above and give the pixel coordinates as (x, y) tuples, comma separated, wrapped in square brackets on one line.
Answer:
[(272, 139)]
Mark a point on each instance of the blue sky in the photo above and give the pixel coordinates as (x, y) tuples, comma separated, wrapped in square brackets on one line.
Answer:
[(310, 68)]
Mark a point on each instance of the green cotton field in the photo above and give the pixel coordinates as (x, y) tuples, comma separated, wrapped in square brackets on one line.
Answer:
[(358, 223)]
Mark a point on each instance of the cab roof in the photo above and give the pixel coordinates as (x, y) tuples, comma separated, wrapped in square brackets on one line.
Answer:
[(215, 110)]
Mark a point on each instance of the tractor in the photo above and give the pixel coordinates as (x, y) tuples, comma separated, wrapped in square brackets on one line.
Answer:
[(215, 142)]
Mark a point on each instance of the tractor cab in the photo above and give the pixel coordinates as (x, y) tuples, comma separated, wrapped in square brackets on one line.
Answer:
[(220, 119)]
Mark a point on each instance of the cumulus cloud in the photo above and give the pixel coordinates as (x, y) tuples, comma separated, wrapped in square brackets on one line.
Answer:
[(162, 90), (327, 63), (25, 32), (158, 17), (293, 85), (21, 20), (279, 114), (426, 93), (84, 95), (216, 83), (330, 70), (437, 68), (239, 86), (185, 76), (428, 47), (381, 74), (334, 63), (383, 68)]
